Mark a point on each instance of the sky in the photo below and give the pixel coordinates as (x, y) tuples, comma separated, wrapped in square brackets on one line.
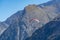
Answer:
[(9, 7)]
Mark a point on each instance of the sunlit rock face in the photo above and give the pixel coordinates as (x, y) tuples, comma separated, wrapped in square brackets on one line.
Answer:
[(23, 23)]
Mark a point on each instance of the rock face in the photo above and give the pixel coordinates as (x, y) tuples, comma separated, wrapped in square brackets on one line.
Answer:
[(50, 31), (25, 22)]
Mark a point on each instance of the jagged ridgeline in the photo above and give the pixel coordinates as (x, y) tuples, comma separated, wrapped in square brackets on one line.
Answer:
[(23, 24)]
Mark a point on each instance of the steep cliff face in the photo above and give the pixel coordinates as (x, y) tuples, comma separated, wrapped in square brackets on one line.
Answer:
[(23, 23)]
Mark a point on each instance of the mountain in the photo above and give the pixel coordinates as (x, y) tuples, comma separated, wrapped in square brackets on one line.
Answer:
[(51, 6), (3, 26), (50, 31), (25, 22)]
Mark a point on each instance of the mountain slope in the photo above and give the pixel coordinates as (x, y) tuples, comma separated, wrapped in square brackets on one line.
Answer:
[(50, 31), (3, 27)]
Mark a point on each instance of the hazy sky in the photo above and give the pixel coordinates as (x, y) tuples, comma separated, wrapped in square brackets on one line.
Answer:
[(9, 7)]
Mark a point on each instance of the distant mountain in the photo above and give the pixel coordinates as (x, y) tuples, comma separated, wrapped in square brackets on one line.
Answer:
[(25, 22)]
